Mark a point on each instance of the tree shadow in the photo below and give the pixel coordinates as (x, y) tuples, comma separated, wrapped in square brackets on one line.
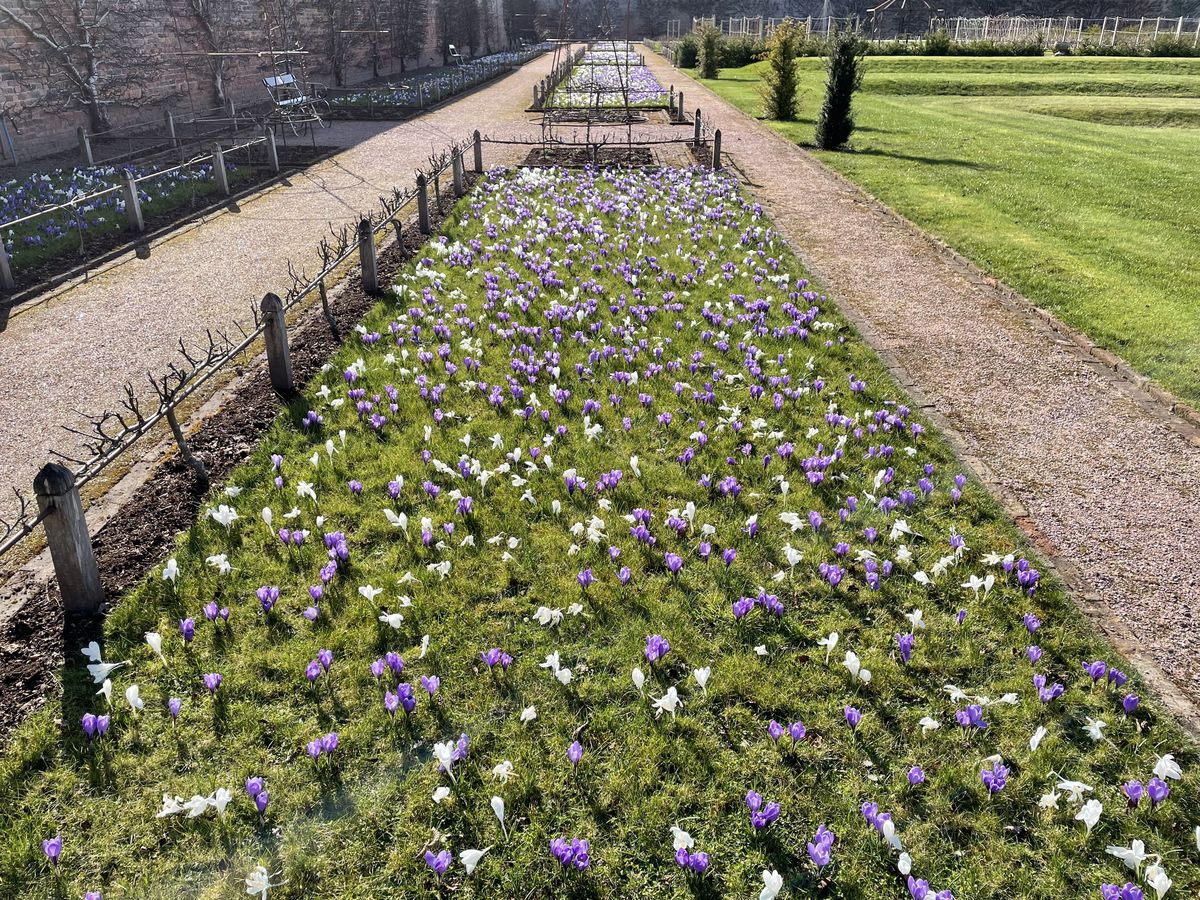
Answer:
[(924, 160)]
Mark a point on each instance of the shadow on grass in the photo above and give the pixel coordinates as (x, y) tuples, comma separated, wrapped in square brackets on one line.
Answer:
[(924, 160)]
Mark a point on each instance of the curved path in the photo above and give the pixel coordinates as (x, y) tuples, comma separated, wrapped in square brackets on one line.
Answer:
[(1105, 480), (75, 351)]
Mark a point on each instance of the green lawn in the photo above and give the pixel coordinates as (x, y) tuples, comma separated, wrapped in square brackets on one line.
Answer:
[(755, 409), (1055, 175)]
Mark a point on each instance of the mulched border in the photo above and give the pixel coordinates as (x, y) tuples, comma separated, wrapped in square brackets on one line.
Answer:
[(37, 640)]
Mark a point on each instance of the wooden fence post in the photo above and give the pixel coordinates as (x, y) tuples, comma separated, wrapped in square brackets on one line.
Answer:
[(169, 120), (366, 256), (272, 150), (70, 544), (478, 153), (423, 204), (456, 167), (85, 147), (680, 106), (220, 176), (696, 130), (279, 357), (716, 162), (133, 204), (7, 284)]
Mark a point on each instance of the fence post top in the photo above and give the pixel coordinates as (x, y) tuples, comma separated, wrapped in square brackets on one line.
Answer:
[(364, 227), (53, 480), (421, 179), (270, 303)]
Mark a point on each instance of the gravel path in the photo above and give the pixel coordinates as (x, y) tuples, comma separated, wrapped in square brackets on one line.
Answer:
[(75, 351), (1099, 474)]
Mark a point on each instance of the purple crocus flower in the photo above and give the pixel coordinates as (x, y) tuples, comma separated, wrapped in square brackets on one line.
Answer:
[(1096, 670), (313, 748), (916, 775), (905, 641), (853, 716), (431, 683), (255, 785), (994, 778), (575, 753), (820, 848), (329, 743), (1133, 790), (585, 578), (656, 648), (693, 862), (572, 854), (1034, 653), (261, 799), (762, 813), (174, 705), (88, 722), (312, 671), (1157, 791), (1130, 703), (496, 657), (325, 658), (674, 562), (439, 863), (187, 627), (624, 575), (212, 681), (797, 732), (391, 702), (52, 847), (775, 730), (1114, 892), (729, 555), (1032, 622), (268, 596)]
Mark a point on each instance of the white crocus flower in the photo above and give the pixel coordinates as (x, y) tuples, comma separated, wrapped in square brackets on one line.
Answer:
[(220, 562), (681, 840), (101, 670), (528, 714), (668, 702), (701, 675), (1049, 801), (443, 752), (171, 571), (154, 640), (470, 858), (639, 680), (1089, 814), (929, 724), (1133, 856), (855, 668), (171, 806), (503, 771), (133, 696), (92, 652), (772, 885), (1036, 740), (1156, 877), (828, 643), (1166, 767), (219, 800), (224, 515), (498, 809), (258, 882)]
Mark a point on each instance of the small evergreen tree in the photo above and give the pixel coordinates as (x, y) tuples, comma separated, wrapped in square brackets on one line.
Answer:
[(779, 91), (710, 48), (845, 71)]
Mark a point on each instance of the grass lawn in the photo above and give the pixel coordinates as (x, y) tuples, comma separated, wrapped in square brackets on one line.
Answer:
[(1056, 175), (604, 409)]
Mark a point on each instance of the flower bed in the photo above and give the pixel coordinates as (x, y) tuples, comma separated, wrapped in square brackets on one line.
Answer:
[(65, 231), (406, 92), (610, 563), (603, 77)]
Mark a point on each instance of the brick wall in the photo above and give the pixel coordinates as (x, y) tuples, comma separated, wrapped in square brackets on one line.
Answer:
[(168, 44)]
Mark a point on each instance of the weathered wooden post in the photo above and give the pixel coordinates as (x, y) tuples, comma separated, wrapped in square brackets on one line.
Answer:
[(696, 130), (230, 110), (85, 147), (536, 98), (671, 101), (423, 204), (679, 106), (70, 544), (716, 149), (272, 150), (421, 95), (169, 120), (478, 153), (456, 168), (133, 204), (279, 356), (7, 284), (366, 256), (220, 176)]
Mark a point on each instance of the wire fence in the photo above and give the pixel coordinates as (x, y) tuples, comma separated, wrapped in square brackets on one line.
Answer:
[(109, 435), (1067, 31)]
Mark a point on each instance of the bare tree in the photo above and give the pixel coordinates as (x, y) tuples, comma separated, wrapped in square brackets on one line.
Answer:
[(408, 21), (219, 28), (340, 33), (86, 50)]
